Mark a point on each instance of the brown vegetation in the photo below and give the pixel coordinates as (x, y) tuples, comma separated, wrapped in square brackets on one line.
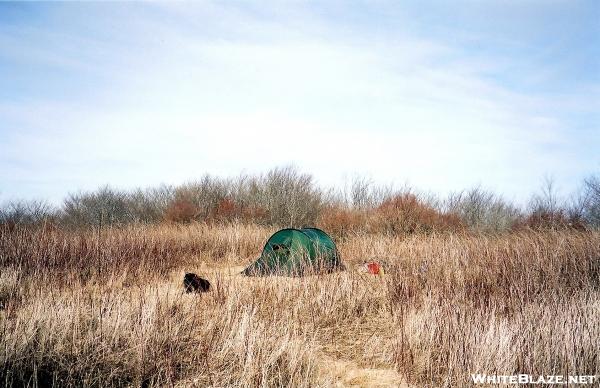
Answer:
[(107, 308), (181, 210), (400, 215), (284, 197)]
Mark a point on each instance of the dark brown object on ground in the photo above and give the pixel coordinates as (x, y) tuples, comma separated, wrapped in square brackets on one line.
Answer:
[(194, 283)]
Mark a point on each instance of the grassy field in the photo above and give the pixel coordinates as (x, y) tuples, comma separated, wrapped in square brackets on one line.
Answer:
[(107, 309)]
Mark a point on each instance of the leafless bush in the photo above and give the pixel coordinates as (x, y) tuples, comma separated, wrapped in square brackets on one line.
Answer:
[(407, 213), (105, 206), (27, 213), (291, 198), (547, 200), (403, 213), (282, 197), (590, 201), (362, 193), (182, 209), (482, 210), (286, 197), (150, 205), (204, 194), (547, 210)]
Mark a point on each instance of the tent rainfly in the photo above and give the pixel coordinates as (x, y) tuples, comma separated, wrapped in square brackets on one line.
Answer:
[(296, 252)]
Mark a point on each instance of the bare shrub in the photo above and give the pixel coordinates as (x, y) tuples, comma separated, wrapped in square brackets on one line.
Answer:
[(549, 211), (204, 194), (482, 211), (401, 214), (407, 214), (150, 205), (361, 193), (282, 197), (340, 221), (225, 210), (27, 213), (182, 209), (292, 198), (590, 201), (105, 206), (285, 197)]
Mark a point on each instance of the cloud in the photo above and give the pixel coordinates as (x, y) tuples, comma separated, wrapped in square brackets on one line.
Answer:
[(179, 91)]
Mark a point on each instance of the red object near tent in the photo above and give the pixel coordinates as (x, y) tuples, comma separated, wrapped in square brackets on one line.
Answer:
[(374, 268)]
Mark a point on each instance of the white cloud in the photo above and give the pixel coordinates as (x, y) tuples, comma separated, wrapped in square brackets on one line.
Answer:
[(219, 90)]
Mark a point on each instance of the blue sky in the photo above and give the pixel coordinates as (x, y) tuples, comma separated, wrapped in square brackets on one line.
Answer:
[(439, 95)]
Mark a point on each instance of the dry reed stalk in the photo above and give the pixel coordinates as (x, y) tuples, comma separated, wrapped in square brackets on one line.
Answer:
[(448, 306)]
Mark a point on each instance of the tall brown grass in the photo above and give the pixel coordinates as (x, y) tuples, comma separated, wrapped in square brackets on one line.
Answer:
[(107, 309)]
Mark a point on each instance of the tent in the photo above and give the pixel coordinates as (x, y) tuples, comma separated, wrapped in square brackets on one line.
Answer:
[(296, 252)]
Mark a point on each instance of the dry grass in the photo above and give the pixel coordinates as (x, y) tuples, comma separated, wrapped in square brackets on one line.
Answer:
[(107, 309)]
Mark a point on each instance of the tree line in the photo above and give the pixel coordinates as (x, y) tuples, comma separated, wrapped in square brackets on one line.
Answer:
[(286, 197)]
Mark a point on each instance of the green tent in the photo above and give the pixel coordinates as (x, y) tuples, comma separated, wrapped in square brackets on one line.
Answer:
[(296, 252)]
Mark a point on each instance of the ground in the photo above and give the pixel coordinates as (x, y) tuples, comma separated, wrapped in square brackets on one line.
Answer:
[(108, 309)]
